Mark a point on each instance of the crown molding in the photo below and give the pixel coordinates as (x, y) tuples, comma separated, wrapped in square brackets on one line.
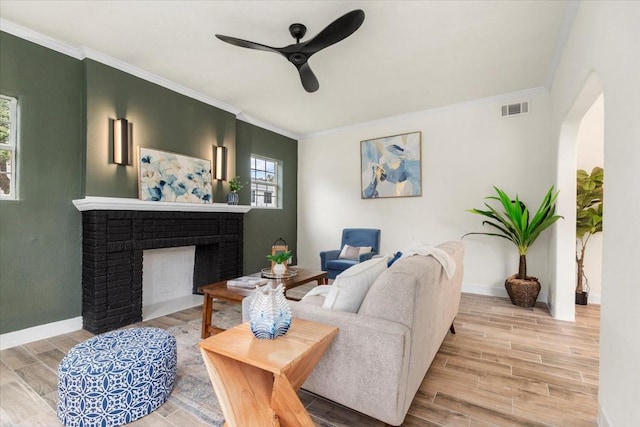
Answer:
[(40, 39), (505, 97), (153, 78), (84, 52), (257, 122)]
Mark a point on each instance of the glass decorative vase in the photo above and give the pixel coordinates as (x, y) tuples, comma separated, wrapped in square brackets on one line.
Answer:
[(269, 312), (232, 198)]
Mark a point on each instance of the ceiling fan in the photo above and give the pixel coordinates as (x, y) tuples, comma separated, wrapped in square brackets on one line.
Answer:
[(299, 52)]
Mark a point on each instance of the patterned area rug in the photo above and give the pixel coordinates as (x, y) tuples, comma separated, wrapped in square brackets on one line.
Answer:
[(192, 390)]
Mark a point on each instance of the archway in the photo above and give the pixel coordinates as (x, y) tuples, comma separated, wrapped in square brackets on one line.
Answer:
[(562, 292)]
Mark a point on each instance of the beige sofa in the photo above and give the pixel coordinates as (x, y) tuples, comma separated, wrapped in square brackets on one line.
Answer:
[(381, 354)]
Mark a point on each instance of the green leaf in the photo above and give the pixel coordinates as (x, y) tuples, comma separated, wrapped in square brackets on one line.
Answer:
[(490, 234), (589, 196), (515, 223)]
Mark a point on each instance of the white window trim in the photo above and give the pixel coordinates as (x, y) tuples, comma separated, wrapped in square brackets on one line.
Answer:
[(12, 146), (277, 184)]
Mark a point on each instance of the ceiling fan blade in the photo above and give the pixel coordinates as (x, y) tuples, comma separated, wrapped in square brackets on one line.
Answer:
[(338, 30), (309, 80), (245, 43)]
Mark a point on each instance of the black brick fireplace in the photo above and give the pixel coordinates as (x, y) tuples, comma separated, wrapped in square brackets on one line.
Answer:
[(112, 249)]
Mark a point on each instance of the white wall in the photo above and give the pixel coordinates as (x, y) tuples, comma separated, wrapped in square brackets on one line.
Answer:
[(590, 154), (466, 148), (605, 39)]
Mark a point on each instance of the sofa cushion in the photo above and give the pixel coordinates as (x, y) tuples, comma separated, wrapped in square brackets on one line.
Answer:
[(350, 287), (353, 252)]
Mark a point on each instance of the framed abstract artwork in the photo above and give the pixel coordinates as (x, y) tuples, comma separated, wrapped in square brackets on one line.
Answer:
[(170, 177), (391, 166)]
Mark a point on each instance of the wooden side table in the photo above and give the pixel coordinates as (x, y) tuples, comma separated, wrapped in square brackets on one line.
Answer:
[(256, 381)]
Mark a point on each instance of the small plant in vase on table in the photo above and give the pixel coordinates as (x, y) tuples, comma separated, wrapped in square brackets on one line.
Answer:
[(279, 262)]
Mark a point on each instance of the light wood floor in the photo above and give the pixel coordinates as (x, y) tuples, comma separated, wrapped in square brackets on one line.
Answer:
[(506, 365)]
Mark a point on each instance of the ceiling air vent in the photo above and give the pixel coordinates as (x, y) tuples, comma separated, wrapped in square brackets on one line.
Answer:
[(515, 109)]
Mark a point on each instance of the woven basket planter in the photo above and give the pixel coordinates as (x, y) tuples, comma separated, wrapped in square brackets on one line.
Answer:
[(523, 292)]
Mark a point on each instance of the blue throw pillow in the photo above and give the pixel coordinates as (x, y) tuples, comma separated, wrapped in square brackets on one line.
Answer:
[(394, 259)]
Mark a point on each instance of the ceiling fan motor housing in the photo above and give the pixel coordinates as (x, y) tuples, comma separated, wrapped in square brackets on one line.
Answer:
[(297, 31)]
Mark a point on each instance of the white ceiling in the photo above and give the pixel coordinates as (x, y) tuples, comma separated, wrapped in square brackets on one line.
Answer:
[(407, 56)]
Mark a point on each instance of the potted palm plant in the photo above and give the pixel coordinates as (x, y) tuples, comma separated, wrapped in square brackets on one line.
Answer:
[(516, 225), (590, 188)]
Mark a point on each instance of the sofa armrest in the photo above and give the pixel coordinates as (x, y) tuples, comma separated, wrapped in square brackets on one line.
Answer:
[(366, 365), (328, 256)]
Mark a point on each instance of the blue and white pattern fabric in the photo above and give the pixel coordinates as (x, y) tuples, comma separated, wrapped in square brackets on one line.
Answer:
[(270, 314), (116, 377)]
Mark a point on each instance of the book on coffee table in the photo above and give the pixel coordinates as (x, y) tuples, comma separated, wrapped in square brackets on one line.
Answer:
[(247, 282)]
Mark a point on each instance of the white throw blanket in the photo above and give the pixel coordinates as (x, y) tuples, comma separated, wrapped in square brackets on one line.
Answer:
[(417, 248), (319, 290)]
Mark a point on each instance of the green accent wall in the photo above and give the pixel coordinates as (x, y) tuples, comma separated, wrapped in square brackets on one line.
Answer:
[(65, 111), (40, 234), (160, 119), (263, 226)]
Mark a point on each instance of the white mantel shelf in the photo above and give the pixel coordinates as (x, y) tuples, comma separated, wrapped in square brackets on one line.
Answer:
[(92, 203)]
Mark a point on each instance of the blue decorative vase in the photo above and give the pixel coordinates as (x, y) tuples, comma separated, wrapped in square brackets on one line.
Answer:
[(232, 198), (269, 312)]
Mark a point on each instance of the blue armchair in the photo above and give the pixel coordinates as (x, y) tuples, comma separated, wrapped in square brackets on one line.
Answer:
[(331, 262)]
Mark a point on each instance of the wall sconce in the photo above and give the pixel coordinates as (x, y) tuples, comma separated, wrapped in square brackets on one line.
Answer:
[(220, 163), (121, 142)]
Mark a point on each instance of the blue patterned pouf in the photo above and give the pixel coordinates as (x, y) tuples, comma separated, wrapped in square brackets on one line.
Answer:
[(116, 377)]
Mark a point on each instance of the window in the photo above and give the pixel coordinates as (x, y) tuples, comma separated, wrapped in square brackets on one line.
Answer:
[(8, 147), (265, 188)]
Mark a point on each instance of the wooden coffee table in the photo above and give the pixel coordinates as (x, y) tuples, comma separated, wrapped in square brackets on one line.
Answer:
[(220, 290), (256, 381)]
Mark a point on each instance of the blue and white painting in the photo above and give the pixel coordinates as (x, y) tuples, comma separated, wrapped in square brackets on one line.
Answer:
[(391, 166), (170, 177)]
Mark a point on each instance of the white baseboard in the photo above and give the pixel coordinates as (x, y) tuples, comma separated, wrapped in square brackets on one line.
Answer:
[(603, 421), (474, 288), (40, 332), (48, 330), (594, 299)]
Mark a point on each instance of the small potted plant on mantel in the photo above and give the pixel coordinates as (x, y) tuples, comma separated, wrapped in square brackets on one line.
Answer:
[(590, 190), (515, 225), (234, 186), (279, 262)]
